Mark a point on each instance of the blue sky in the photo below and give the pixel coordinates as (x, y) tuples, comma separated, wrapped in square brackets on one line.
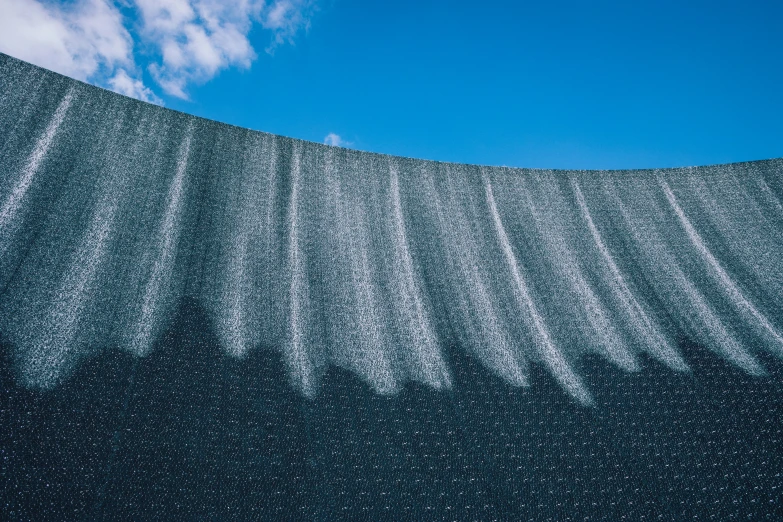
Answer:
[(544, 84)]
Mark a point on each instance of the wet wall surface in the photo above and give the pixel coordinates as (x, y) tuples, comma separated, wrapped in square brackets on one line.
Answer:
[(191, 433), (204, 322)]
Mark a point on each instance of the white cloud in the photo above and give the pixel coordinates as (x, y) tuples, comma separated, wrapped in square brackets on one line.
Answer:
[(285, 18), (190, 40), (76, 40), (122, 83), (335, 140), (199, 38), (196, 38), (86, 40)]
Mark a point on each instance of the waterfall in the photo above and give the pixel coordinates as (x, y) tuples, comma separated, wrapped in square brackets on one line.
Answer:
[(115, 210)]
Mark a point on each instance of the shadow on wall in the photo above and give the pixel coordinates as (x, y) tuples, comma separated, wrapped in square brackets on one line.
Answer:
[(190, 431)]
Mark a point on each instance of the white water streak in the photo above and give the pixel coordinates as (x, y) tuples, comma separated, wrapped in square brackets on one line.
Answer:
[(658, 344), (685, 297), (231, 308), (726, 283), (430, 366), (487, 336), (769, 196), (757, 248), (272, 286), (237, 285), (372, 335), (159, 282), (592, 311), (551, 356), (296, 353), (79, 285), (360, 340), (10, 209), (55, 335)]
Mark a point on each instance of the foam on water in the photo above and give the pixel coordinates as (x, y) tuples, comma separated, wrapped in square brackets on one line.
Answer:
[(379, 265)]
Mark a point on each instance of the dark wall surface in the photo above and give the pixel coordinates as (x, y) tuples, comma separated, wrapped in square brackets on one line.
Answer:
[(204, 322)]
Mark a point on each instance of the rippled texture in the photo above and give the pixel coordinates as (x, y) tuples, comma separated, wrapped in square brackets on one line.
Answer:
[(113, 211)]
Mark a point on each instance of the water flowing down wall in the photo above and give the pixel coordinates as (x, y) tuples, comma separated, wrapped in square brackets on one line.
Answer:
[(112, 211), (202, 322)]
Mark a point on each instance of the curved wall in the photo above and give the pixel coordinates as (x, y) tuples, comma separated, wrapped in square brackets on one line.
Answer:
[(113, 210), (203, 322)]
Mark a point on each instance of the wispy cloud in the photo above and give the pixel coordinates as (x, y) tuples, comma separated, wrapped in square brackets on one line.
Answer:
[(122, 83), (185, 42), (333, 139), (336, 141), (196, 39), (285, 18), (84, 40)]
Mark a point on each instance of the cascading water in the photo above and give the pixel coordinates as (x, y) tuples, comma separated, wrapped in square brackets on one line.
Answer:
[(111, 211)]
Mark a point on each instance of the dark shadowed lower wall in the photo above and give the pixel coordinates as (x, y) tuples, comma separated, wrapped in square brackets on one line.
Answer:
[(204, 322)]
